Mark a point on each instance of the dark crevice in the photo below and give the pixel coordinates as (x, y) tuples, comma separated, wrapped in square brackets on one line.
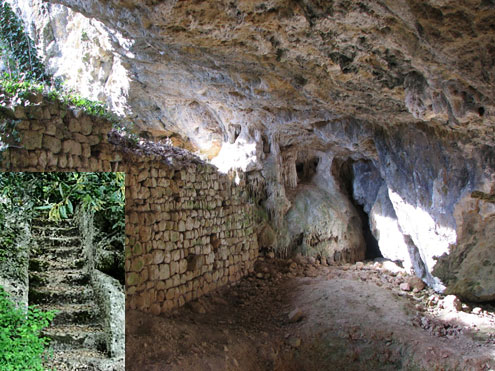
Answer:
[(372, 248), (306, 169), (344, 176)]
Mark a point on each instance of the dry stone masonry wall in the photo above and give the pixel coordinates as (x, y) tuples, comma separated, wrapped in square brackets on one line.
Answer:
[(54, 138), (189, 229)]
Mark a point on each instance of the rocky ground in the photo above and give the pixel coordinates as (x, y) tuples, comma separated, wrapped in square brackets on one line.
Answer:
[(301, 315)]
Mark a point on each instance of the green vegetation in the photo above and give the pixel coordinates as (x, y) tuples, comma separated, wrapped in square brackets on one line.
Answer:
[(21, 346), (23, 91), (26, 195), (18, 48), (103, 193), (26, 74), (84, 36)]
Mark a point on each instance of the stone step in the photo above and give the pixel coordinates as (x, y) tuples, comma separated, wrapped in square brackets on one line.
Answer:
[(56, 277), (78, 360), (67, 337), (44, 222), (43, 241), (81, 314), (62, 294), (57, 252), (49, 231), (42, 265)]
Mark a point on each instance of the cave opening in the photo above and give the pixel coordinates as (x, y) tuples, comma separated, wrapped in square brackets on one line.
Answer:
[(372, 248), (306, 169), (343, 172)]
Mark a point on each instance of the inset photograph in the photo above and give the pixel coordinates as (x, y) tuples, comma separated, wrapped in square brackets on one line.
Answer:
[(62, 271)]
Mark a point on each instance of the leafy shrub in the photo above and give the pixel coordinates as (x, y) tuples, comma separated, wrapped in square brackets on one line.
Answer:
[(13, 87), (103, 193), (24, 88), (21, 346), (26, 195)]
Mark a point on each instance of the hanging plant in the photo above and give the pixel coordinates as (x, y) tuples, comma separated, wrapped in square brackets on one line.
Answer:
[(18, 47)]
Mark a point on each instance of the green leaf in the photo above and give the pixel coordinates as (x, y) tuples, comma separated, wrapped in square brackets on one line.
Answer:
[(70, 208), (45, 207), (63, 212), (61, 190)]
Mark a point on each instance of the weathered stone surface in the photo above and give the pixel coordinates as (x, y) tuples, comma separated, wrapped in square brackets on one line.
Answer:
[(32, 140), (112, 299), (469, 268), (374, 58), (416, 283), (51, 143), (405, 286), (452, 303), (322, 220), (267, 237)]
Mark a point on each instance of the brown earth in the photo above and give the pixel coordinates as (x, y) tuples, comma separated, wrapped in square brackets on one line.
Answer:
[(353, 318)]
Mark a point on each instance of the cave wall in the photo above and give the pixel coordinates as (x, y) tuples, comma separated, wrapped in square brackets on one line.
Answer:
[(189, 229), (426, 190)]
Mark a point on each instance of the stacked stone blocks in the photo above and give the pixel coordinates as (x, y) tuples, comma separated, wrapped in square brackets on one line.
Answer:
[(189, 229)]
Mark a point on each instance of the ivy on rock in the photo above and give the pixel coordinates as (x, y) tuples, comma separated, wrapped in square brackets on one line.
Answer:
[(19, 49)]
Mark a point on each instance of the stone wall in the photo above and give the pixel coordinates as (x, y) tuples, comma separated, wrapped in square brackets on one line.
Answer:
[(15, 264), (109, 293), (189, 229), (55, 138)]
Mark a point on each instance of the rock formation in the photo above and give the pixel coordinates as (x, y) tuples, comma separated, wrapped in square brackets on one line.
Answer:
[(327, 105)]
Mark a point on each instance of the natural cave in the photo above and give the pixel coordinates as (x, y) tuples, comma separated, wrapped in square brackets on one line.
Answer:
[(310, 185), (343, 172), (306, 170)]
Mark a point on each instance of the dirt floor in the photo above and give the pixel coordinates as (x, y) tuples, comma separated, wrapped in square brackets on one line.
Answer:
[(300, 315)]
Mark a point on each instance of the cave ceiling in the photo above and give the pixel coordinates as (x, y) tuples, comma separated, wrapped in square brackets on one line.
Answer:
[(206, 70)]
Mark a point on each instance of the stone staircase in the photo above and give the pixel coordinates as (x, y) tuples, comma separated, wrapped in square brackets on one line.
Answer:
[(59, 281)]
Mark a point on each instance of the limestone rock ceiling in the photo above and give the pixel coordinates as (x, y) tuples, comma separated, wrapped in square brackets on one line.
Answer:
[(202, 68)]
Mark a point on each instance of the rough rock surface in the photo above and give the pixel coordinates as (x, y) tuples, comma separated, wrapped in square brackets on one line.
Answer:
[(79, 50), (406, 84), (326, 226), (111, 294), (14, 266)]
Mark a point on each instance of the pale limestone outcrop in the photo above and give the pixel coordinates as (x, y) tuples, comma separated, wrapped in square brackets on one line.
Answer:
[(80, 50)]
